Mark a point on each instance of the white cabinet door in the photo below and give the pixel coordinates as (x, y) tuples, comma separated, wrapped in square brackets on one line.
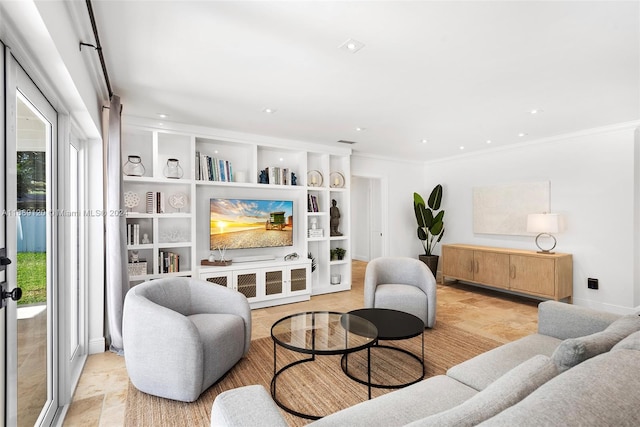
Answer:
[(247, 283), (273, 282), (298, 280), (223, 278)]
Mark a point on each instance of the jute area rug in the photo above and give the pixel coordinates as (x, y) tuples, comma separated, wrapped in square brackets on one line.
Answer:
[(319, 387)]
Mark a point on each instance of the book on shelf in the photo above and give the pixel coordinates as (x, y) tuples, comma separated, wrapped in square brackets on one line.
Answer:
[(213, 169), (168, 262), (198, 167), (133, 234), (277, 175), (155, 202), (312, 203), (315, 232)]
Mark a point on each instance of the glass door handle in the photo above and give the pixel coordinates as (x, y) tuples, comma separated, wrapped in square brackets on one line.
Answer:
[(15, 294)]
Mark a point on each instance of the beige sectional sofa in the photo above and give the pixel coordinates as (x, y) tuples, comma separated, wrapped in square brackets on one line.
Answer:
[(582, 368)]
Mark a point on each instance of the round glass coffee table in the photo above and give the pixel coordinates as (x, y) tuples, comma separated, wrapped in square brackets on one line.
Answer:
[(392, 325), (319, 333)]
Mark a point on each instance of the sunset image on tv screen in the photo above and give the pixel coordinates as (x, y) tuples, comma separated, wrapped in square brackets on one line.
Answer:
[(243, 224)]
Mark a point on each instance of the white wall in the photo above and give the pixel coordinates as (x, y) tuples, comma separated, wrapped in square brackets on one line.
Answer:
[(592, 187), (399, 179)]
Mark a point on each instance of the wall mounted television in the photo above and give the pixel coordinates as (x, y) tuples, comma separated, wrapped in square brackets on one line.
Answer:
[(250, 223)]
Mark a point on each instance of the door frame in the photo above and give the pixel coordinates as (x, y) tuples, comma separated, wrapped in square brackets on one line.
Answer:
[(3, 228), (383, 210), (72, 359)]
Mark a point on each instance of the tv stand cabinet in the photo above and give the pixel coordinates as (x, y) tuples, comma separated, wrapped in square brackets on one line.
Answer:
[(264, 283), (524, 272)]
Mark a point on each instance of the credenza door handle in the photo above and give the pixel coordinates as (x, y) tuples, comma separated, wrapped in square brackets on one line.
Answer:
[(513, 271), (477, 266)]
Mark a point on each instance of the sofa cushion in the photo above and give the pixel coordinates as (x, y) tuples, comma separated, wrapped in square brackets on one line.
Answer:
[(504, 392), (249, 405), (485, 368), (562, 320), (576, 350), (402, 406), (602, 391), (632, 342)]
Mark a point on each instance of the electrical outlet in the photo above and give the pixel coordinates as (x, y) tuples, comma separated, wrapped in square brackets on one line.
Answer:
[(592, 283)]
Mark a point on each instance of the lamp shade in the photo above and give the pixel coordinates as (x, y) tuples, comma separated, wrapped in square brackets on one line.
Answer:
[(543, 223)]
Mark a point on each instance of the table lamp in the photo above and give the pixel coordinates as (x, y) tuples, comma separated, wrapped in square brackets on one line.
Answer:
[(544, 224)]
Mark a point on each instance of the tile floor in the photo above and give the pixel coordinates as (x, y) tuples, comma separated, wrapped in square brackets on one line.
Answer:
[(100, 397)]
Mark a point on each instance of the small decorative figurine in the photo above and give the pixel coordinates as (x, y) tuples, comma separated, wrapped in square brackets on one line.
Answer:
[(294, 179), (264, 179), (334, 213)]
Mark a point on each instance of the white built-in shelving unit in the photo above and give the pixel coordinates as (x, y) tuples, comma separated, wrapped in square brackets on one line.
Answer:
[(185, 231)]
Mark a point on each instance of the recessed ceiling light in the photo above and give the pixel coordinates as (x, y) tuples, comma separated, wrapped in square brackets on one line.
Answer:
[(359, 129), (269, 110), (521, 134), (488, 141), (462, 147), (160, 124), (163, 115), (351, 45), (424, 141), (535, 111)]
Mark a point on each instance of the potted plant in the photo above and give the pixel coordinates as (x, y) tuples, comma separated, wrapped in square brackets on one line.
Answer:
[(338, 253), (313, 261), (430, 225)]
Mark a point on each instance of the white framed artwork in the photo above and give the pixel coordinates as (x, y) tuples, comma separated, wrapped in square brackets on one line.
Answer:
[(503, 209)]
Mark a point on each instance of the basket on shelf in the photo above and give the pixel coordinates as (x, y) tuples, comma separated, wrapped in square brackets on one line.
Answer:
[(137, 268)]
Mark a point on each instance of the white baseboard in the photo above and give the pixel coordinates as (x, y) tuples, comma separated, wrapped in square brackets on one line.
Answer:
[(611, 308), (97, 345)]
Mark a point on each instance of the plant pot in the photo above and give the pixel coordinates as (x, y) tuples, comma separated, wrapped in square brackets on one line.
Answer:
[(431, 261)]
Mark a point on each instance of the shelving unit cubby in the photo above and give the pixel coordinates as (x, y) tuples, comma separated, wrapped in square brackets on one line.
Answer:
[(185, 230)]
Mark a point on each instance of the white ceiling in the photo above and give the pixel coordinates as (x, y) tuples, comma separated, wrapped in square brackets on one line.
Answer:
[(454, 73)]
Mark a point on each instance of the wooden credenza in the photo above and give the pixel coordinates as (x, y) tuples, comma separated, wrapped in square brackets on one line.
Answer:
[(525, 272)]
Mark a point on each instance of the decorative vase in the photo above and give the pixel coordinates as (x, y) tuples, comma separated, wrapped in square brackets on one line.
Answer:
[(173, 169), (432, 263), (133, 167)]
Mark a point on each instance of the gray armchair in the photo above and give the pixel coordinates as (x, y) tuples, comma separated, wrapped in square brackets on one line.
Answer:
[(401, 283), (180, 335)]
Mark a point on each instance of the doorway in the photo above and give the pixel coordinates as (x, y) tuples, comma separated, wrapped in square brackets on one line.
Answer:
[(30, 338), (368, 210)]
